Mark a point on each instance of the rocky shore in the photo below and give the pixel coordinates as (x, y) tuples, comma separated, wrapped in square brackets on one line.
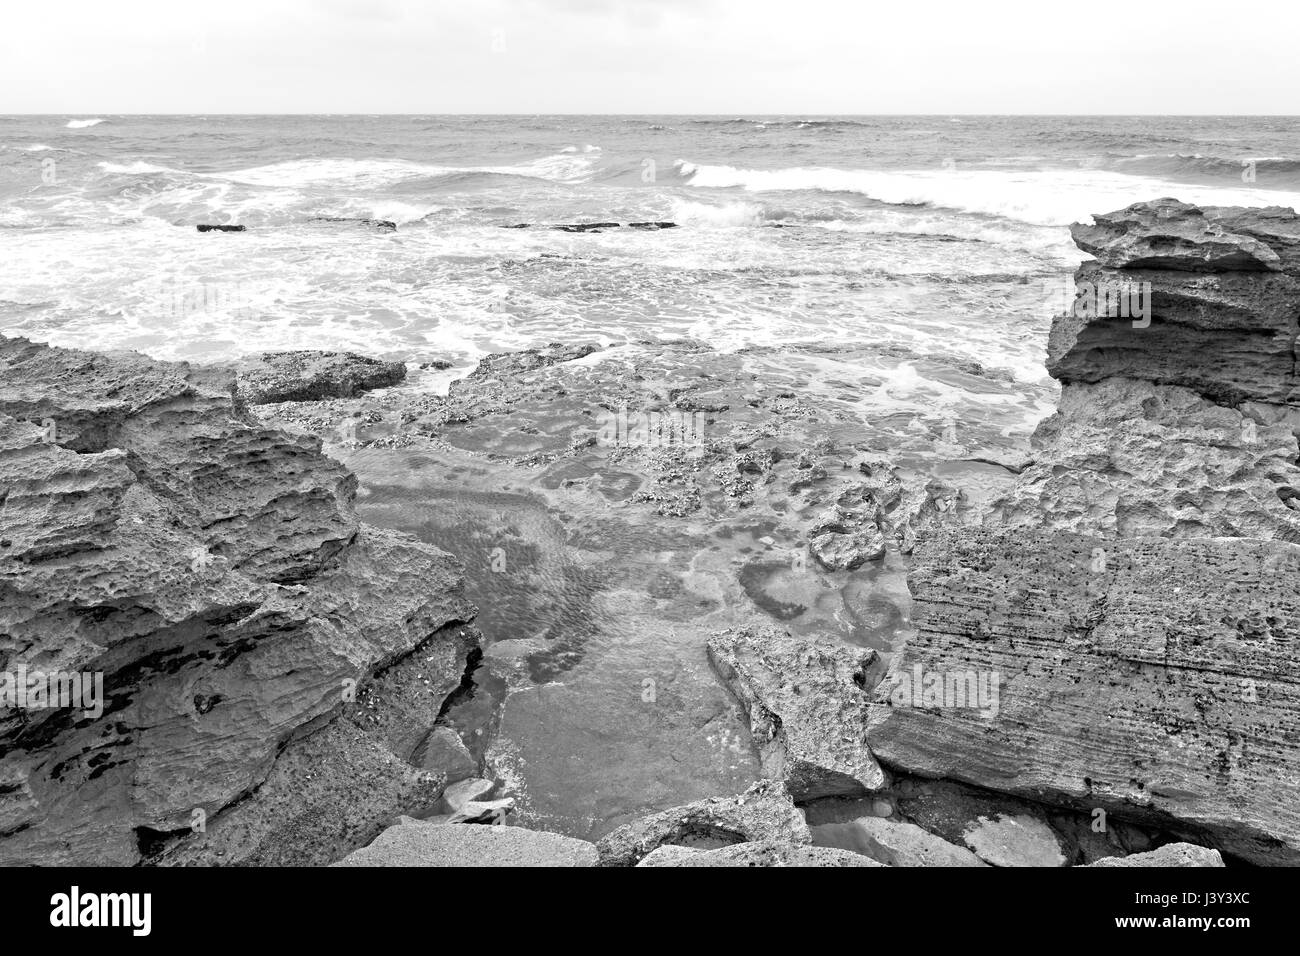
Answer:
[(720, 621)]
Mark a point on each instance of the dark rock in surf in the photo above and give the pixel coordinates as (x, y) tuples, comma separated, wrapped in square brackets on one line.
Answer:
[(598, 226), (386, 224), (585, 226), (310, 376), (207, 227)]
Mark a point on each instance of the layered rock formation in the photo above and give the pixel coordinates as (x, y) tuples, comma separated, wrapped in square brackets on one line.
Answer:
[(214, 573), (1133, 595)]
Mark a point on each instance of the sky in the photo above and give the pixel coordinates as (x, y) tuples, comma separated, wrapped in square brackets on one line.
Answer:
[(734, 57)]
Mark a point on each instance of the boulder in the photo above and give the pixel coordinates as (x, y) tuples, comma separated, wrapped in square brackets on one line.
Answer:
[(763, 854), (1015, 840), (843, 539), (764, 812), (1172, 854), (310, 376), (431, 844), (807, 707)]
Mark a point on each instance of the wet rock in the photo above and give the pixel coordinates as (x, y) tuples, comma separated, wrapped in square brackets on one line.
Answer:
[(1168, 234), (1022, 840), (652, 226), (585, 226), (464, 803), (504, 364), (1172, 854), (429, 844), (764, 854), (893, 843), (764, 812), (212, 570), (311, 376), (807, 707), (387, 224), (842, 540), (444, 752), (205, 227)]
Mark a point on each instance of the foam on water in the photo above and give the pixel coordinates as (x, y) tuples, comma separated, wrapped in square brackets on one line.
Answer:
[(915, 238), (1039, 197)]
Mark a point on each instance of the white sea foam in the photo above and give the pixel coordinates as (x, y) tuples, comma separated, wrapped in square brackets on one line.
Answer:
[(375, 173), (139, 167), (724, 214), (83, 123), (1056, 197)]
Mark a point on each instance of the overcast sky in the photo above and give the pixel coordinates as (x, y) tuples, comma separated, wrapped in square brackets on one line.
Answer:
[(649, 56)]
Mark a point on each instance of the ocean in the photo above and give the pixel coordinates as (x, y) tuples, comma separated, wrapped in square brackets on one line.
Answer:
[(918, 236)]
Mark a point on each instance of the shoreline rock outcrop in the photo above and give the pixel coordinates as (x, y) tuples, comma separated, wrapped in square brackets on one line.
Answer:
[(213, 574), (277, 377), (1133, 594)]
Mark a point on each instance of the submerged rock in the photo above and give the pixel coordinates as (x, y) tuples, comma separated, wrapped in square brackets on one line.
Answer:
[(807, 708), (205, 227), (893, 843), (311, 376)]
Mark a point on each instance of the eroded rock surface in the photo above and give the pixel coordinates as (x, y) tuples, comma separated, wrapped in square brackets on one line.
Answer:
[(806, 702), (761, 854), (1134, 592), (1172, 854), (311, 376), (763, 813), (413, 843), (213, 571)]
